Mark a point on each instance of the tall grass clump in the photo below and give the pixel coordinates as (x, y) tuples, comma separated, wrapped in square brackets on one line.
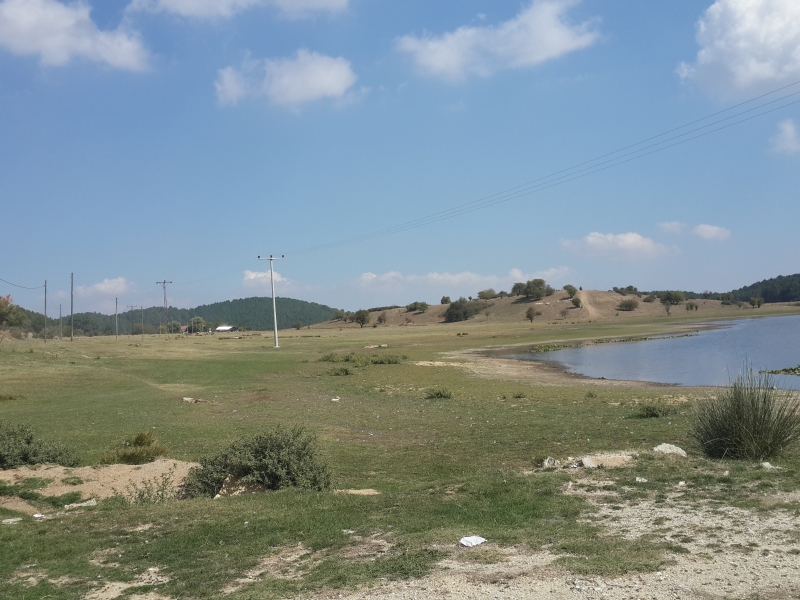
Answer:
[(750, 420), (19, 446), (275, 458), (439, 393), (137, 450)]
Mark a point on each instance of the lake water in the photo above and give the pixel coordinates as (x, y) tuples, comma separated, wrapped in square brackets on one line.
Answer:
[(712, 357)]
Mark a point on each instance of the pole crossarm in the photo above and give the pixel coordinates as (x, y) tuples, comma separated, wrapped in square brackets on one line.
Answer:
[(272, 259)]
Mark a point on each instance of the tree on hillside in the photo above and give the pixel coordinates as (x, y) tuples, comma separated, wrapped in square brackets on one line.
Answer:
[(382, 318), (518, 289), (10, 315), (576, 302), (530, 314), (536, 289), (756, 302), (673, 298), (571, 290), (462, 309), (489, 294), (445, 300), (339, 315), (362, 317)]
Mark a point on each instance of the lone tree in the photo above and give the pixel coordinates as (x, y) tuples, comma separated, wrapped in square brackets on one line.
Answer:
[(382, 318), (756, 302), (445, 300), (530, 313), (576, 302), (362, 317), (571, 290)]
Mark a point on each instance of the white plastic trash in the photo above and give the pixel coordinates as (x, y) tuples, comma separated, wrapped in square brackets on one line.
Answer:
[(473, 540)]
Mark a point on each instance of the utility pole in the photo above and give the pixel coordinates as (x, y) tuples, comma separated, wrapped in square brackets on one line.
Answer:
[(116, 319), (60, 326), (142, 322), (71, 307), (131, 308), (166, 317), (45, 311), (272, 282)]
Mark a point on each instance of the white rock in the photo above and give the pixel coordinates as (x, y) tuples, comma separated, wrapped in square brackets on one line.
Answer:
[(641, 480), (38, 516), (91, 502), (768, 466), (669, 449), (13, 521), (335, 399), (550, 462)]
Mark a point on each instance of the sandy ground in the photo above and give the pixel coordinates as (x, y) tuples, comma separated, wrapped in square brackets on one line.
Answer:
[(96, 482)]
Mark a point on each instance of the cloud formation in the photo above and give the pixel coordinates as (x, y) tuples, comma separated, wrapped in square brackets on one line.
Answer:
[(537, 34), (746, 46), (261, 278), (619, 246), (288, 82), (105, 288), (673, 227), (712, 233), (223, 9), (465, 283), (59, 33), (787, 140)]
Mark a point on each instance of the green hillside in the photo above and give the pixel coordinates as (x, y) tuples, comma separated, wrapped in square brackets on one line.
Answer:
[(784, 288), (253, 313)]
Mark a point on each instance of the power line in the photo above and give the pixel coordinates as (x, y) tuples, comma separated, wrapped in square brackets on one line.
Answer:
[(23, 287), (573, 172)]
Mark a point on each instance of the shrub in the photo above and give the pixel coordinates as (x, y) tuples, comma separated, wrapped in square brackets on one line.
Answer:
[(340, 371), (673, 298), (489, 294), (417, 307), (571, 290), (137, 450), (382, 318), (531, 313), (576, 302), (628, 305), (654, 409), (157, 490), (627, 290), (275, 458), (749, 420), (756, 302), (462, 309), (445, 300), (439, 392), (298, 325), (650, 298), (19, 446)]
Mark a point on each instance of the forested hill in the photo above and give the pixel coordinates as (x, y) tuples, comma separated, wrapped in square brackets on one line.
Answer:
[(253, 313), (784, 288)]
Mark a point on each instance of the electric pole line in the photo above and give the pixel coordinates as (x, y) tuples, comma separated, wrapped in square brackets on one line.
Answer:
[(60, 326), (166, 317), (271, 259), (132, 307), (116, 319), (71, 307), (45, 311)]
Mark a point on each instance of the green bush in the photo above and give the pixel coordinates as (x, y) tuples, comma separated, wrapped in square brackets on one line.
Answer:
[(439, 392), (489, 294), (628, 305), (275, 458), (340, 371), (19, 446), (445, 300), (137, 450), (654, 410), (571, 290), (462, 310), (417, 307), (749, 420), (576, 302)]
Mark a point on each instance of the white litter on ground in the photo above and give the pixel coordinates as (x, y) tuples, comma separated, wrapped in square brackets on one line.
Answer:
[(471, 541)]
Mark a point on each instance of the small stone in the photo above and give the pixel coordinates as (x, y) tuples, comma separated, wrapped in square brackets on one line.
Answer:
[(681, 484), (550, 462), (669, 449), (641, 480), (335, 399), (91, 502), (768, 466), (12, 521)]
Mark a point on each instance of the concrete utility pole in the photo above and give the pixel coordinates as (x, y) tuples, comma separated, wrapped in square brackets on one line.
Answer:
[(116, 319), (166, 317), (60, 326), (131, 308), (272, 282), (45, 311), (71, 307)]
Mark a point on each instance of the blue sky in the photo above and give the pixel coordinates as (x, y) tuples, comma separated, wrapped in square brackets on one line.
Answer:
[(150, 139)]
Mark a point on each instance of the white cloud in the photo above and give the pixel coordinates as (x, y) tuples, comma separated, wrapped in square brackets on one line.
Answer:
[(673, 227), (746, 46), (288, 82), (214, 9), (619, 246), (711, 232), (537, 34), (787, 140), (262, 278), (107, 287), (58, 33)]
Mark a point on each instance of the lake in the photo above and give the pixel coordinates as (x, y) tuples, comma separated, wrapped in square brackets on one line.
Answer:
[(711, 357)]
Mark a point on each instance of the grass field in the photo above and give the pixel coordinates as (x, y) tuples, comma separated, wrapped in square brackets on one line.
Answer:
[(444, 467)]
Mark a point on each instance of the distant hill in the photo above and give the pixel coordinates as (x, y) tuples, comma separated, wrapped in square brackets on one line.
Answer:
[(253, 313), (784, 288)]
